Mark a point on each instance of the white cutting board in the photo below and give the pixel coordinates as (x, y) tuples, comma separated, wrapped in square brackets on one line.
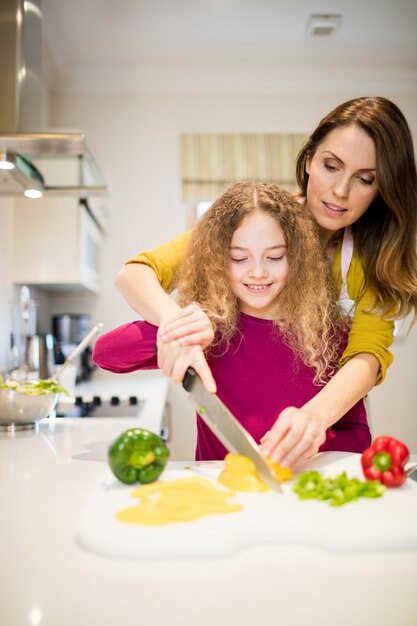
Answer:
[(386, 523)]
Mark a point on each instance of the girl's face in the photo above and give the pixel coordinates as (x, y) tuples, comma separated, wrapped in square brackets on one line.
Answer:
[(342, 178), (258, 266)]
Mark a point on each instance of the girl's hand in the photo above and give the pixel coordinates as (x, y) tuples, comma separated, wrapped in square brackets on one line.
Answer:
[(190, 327), (295, 437), (174, 360)]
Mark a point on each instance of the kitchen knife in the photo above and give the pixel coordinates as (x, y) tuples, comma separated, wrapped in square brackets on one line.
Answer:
[(412, 472), (226, 427)]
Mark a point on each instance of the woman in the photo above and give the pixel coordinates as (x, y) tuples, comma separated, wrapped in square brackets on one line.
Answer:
[(266, 287), (357, 176)]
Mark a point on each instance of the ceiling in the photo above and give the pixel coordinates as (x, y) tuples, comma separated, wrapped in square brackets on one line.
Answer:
[(106, 40)]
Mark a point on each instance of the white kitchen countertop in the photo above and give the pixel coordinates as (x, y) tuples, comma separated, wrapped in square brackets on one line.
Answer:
[(47, 579)]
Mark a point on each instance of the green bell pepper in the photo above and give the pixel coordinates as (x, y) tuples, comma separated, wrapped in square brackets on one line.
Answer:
[(138, 455)]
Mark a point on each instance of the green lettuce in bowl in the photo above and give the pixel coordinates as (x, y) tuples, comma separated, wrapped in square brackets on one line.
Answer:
[(34, 387)]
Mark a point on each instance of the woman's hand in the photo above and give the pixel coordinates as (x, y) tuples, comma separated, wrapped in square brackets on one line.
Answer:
[(190, 327), (174, 359), (295, 437)]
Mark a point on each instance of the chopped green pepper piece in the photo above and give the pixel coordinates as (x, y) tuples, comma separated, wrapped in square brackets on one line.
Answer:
[(338, 490), (138, 455)]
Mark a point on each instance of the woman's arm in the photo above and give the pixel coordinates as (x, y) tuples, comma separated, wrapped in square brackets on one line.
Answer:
[(299, 432), (141, 288), (146, 280)]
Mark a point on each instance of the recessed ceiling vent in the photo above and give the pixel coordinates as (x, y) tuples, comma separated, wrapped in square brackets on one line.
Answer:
[(323, 25)]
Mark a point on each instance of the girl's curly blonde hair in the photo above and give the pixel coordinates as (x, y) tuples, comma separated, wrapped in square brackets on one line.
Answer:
[(309, 319)]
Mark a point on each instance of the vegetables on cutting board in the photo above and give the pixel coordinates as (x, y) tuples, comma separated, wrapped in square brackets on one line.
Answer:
[(175, 501), (384, 460), (338, 490), (382, 464), (34, 387), (138, 455), (239, 473)]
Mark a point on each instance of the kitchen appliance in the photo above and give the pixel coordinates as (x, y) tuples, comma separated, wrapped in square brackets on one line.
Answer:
[(23, 315), (95, 405), (34, 162), (69, 329), (226, 427), (31, 355), (39, 356)]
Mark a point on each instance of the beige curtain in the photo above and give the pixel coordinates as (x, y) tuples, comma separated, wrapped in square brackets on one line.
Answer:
[(212, 162)]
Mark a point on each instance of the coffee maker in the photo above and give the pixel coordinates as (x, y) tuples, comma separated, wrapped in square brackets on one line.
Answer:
[(69, 329)]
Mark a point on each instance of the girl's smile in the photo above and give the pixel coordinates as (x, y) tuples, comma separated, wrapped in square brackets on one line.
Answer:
[(258, 288), (258, 267)]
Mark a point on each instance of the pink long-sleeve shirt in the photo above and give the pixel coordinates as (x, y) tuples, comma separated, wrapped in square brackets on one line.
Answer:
[(257, 377)]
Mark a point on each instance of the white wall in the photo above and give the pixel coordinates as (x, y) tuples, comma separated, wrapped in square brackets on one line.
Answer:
[(136, 141)]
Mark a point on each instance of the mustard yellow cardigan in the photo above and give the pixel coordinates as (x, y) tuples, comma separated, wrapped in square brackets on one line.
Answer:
[(369, 333)]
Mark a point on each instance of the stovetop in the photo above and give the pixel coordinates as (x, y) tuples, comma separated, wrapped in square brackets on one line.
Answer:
[(96, 406)]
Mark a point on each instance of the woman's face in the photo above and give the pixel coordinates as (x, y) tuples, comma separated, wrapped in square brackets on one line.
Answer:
[(258, 266), (342, 178)]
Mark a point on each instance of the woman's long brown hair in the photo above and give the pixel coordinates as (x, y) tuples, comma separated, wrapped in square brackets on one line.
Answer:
[(386, 234)]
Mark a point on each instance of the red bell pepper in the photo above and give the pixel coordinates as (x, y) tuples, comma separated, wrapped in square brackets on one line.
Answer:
[(384, 460)]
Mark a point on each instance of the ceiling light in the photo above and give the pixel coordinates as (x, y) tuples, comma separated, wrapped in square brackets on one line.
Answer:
[(6, 163), (23, 175), (32, 193), (323, 25)]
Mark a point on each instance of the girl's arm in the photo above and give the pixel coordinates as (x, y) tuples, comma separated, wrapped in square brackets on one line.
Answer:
[(127, 348), (131, 347), (144, 282), (174, 359)]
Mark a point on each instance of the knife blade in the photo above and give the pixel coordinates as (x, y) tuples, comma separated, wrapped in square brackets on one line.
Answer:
[(226, 427)]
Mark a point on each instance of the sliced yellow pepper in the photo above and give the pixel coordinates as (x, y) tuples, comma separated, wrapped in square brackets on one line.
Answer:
[(239, 473)]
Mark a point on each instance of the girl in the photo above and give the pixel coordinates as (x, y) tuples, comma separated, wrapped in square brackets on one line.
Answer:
[(357, 177), (265, 285)]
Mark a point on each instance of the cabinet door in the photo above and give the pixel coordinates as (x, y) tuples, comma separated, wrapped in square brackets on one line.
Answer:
[(56, 244), (90, 251)]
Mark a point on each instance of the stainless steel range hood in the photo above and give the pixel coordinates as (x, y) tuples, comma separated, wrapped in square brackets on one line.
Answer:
[(44, 162)]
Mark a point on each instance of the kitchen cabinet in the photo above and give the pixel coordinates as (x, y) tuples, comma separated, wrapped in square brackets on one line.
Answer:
[(57, 244)]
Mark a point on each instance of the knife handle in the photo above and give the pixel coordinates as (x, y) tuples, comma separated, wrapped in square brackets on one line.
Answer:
[(189, 378)]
